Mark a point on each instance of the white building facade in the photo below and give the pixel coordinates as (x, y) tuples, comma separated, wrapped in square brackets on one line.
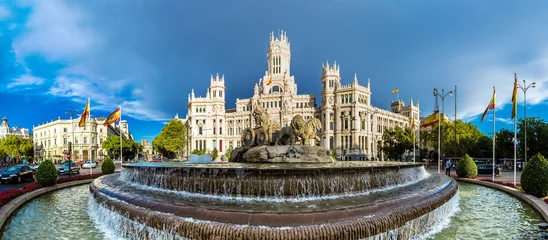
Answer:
[(51, 139), (348, 119), (5, 130)]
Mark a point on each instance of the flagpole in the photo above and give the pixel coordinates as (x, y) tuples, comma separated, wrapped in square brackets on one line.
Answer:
[(515, 153), (90, 139), (494, 131), (120, 129)]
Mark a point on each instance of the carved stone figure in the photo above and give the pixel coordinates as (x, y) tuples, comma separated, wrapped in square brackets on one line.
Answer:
[(299, 130)]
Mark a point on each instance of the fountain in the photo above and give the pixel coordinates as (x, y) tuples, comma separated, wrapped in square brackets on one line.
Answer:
[(273, 192)]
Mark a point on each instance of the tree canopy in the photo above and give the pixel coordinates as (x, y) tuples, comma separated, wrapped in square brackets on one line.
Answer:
[(171, 142), (395, 142), (17, 147), (129, 147)]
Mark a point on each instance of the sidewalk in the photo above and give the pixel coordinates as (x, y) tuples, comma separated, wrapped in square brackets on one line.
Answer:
[(504, 177)]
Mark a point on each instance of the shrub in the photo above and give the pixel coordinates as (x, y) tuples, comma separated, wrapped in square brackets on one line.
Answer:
[(46, 175), (215, 153), (198, 152), (534, 178), (467, 168), (108, 166)]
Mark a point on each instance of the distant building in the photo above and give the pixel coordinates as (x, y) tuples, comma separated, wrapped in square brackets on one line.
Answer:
[(5, 130), (147, 149), (51, 139), (347, 116)]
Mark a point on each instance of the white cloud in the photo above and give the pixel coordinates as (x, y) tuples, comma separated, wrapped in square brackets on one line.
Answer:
[(475, 87), (4, 12), (55, 31), (25, 79)]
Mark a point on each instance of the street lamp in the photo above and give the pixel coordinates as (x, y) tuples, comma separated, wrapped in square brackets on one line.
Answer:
[(71, 112), (443, 95), (522, 87)]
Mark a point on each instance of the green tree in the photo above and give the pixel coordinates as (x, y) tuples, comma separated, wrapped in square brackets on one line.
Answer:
[(467, 136), (537, 136), (484, 147), (112, 146), (504, 144), (395, 142), (171, 142), (17, 146)]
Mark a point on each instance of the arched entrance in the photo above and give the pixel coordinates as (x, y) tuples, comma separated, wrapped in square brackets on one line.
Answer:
[(85, 154)]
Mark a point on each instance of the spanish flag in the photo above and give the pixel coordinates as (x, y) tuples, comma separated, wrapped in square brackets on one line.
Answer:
[(491, 105), (515, 97), (82, 122), (113, 117), (395, 91), (269, 81), (432, 119)]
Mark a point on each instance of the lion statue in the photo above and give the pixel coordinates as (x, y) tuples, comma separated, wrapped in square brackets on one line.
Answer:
[(300, 130)]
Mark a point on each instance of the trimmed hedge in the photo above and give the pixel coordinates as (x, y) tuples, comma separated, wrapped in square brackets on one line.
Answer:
[(108, 166), (46, 175), (467, 168), (534, 178)]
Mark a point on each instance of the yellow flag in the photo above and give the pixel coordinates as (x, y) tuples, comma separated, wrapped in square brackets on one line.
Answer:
[(395, 91), (82, 122)]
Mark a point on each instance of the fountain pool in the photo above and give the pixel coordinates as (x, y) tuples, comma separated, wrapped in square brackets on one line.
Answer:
[(472, 219)]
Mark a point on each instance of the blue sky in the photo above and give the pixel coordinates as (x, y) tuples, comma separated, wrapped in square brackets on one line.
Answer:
[(148, 55)]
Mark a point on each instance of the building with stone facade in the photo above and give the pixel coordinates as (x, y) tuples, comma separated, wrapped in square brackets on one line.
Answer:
[(348, 118), (51, 138), (5, 130)]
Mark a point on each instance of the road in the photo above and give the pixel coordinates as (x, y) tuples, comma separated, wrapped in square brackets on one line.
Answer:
[(83, 171), (505, 176)]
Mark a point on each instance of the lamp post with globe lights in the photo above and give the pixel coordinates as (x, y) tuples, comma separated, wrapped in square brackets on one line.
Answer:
[(525, 87), (443, 95)]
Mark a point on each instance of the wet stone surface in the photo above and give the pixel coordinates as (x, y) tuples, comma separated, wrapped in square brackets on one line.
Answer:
[(123, 188)]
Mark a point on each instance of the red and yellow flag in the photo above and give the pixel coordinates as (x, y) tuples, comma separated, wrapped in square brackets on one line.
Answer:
[(82, 122), (113, 117), (515, 97), (269, 81), (432, 119), (490, 106)]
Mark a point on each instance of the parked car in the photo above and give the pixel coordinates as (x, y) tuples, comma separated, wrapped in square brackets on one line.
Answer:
[(35, 167), (117, 161), (156, 160), (17, 174), (64, 169), (89, 164)]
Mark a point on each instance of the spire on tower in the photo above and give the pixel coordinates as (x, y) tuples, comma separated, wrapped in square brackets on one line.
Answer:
[(368, 83), (355, 82)]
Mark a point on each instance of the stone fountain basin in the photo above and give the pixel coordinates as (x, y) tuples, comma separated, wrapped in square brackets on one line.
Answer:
[(274, 180), (403, 203)]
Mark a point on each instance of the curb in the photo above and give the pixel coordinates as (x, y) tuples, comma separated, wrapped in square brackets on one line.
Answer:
[(10, 207), (536, 203)]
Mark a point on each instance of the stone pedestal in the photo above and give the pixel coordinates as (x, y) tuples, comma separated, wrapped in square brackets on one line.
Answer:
[(286, 154)]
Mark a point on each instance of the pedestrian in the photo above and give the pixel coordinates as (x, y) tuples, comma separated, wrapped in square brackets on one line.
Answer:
[(448, 168)]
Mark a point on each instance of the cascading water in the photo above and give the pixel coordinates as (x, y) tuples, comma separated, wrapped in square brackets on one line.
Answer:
[(275, 201), (217, 183)]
